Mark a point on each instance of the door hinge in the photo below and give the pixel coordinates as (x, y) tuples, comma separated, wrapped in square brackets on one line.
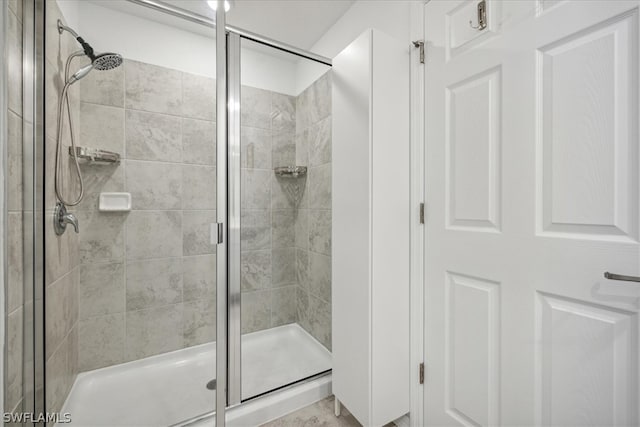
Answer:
[(421, 375), (420, 45), (421, 213)]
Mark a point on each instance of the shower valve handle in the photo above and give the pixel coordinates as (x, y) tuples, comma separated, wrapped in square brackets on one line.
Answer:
[(61, 218)]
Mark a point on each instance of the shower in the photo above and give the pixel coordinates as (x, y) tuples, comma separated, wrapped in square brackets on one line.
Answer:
[(100, 62)]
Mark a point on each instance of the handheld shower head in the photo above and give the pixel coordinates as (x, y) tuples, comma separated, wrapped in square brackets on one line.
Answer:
[(101, 62), (107, 61), (82, 72)]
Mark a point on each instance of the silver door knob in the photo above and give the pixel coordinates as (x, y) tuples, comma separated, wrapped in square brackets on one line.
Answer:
[(613, 276)]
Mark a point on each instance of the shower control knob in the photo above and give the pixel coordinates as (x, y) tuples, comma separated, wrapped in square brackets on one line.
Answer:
[(61, 218)]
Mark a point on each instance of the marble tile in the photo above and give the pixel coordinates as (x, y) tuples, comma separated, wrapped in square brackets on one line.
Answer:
[(52, 86), (199, 277), (61, 310), (302, 306), (72, 358), (198, 142), (196, 232), (15, 272), (255, 270), (14, 71), (14, 184), (256, 311), (251, 218), (101, 341), (153, 331), (101, 289), (284, 149), (198, 187), (320, 320), (320, 231), (320, 187), (14, 28), (199, 97), (60, 373), (57, 378), (255, 107), (320, 276), (102, 127), (99, 179), (16, 7), (283, 264), (283, 306), (153, 283), (302, 268), (302, 148), (255, 238), (154, 185), (199, 322), (283, 228), (286, 193), (153, 136), (104, 88), (101, 237), (302, 228), (154, 234), (255, 189), (14, 358), (255, 144), (314, 103), (319, 140), (152, 88), (59, 251), (283, 112), (255, 229)]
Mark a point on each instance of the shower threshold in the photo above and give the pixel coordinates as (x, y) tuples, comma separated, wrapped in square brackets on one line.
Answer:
[(169, 388)]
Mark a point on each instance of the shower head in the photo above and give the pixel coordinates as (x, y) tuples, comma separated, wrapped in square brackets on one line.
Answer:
[(106, 61), (103, 61)]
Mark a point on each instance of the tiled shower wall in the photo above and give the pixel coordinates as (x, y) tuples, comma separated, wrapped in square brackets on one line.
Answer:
[(286, 223), (62, 270), (14, 300), (313, 218), (268, 213), (147, 277)]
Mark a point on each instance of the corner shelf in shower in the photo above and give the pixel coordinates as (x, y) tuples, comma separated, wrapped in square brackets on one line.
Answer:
[(290, 171), (95, 155)]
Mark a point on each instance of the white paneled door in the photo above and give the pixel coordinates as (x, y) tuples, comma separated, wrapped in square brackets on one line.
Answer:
[(532, 194)]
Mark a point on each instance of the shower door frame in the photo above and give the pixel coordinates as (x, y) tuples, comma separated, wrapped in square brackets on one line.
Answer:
[(227, 228), (234, 84), (33, 210), (228, 300)]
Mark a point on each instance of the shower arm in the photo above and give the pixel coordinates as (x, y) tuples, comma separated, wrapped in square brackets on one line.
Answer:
[(88, 50), (62, 27)]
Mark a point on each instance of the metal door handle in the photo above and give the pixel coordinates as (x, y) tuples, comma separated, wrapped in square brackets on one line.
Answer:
[(613, 276)]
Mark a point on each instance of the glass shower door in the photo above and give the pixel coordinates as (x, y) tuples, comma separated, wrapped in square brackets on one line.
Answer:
[(280, 219)]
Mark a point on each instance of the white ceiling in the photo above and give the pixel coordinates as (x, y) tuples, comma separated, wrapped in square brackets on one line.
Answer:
[(299, 23)]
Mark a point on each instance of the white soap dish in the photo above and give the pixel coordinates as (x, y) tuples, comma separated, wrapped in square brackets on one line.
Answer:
[(114, 202)]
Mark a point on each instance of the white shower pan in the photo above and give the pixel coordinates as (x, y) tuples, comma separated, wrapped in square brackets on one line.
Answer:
[(170, 388)]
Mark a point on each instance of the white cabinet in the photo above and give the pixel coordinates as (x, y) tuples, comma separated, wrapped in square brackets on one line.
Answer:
[(370, 238)]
